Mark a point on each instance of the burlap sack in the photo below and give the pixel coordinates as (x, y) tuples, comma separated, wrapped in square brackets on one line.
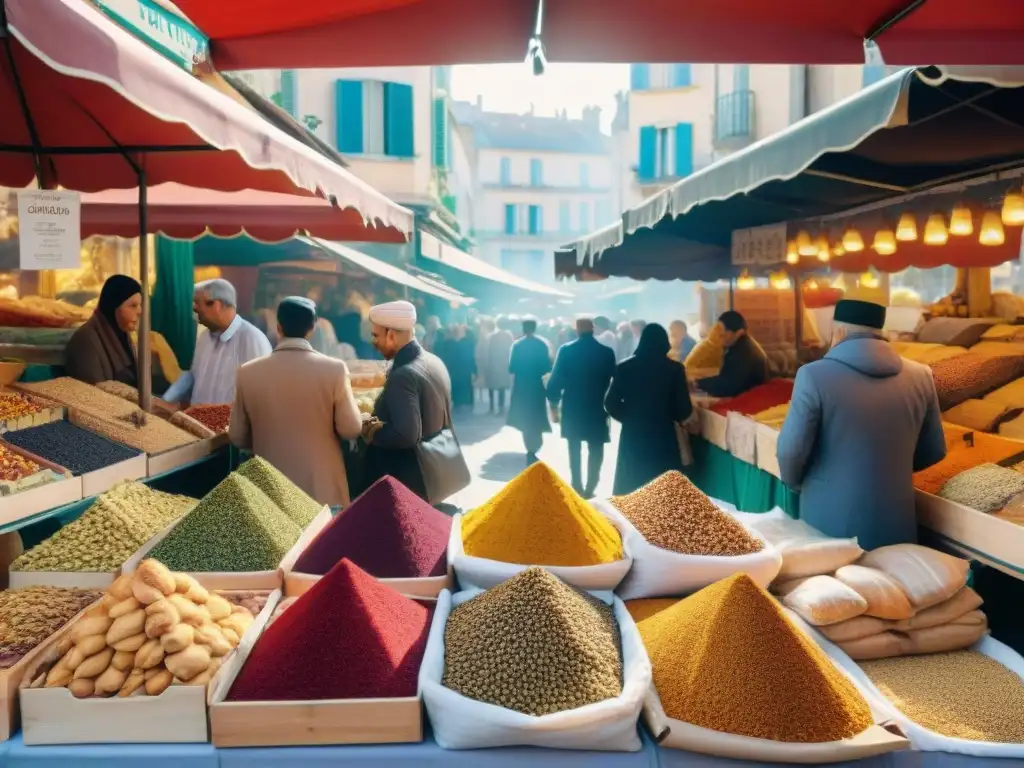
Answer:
[(926, 576), (823, 600), (963, 602), (884, 597), (880, 646), (856, 628), (948, 637)]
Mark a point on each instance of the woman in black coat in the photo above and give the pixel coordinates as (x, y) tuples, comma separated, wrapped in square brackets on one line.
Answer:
[(648, 396)]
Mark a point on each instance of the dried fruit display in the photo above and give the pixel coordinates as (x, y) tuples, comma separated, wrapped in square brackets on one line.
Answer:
[(71, 447), (14, 405), (253, 601), (15, 467), (216, 417), (30, 615)]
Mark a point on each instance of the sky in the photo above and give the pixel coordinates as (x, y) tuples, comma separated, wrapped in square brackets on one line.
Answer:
[(513, 87)]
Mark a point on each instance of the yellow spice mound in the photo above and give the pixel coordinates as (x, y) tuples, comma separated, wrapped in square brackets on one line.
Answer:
[(728, 659), (539, 520)]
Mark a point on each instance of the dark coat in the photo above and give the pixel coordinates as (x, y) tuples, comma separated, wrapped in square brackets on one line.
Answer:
[(530, 362), (648, 397), (583, 370), (744, 367)]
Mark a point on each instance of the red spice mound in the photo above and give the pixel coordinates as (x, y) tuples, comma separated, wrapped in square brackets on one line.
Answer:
[(349, 637), (760, 398), (388, 531)]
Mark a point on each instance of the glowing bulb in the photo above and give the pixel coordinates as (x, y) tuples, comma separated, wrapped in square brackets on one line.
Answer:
[(792, 255), (885, 242), (852, 241), (804, 244), (746, 282), (868, 280), (935, 230), (1013, 209), (906, 230), (838, 250), (780, 281), (991, 229), (961, 223)]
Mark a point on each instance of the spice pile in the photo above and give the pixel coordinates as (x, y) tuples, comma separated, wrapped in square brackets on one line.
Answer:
[(535, 645), (216, 417), (14, 466), (961, 694), (153, 629), (672, 513), (14, 405), (110, 531), (348, 637), (235, 527), (728, 659), (539, 520), (972, 375), (73, 448), (388, 531), (760, 398), (288, 497), (961, 455), (986, 488), (28, 616)]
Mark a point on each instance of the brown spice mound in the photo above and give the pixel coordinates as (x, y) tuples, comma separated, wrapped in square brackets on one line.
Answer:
[(672, 513)]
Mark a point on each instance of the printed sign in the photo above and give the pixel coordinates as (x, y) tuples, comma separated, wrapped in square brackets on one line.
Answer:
[(162, 29), (50, 229), (759, 246)]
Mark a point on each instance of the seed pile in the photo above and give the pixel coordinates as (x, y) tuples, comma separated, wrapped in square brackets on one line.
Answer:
[(235, 527), (80, 396), (388, 531), (119, 389), (110, 531), (672, 513), (972, 375), (288, 497), (961, 456), (986, 488), (71, 447), (28, 616), (760, 398), (14, 466), (535, 645), (216, 417), (150, 434), (14, 405), (962, 694), (348, 637), (539, 520), (788, 690)]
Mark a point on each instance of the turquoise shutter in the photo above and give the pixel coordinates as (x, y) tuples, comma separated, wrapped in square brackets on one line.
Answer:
[(289, 92), (348, 116), (510, 219), (564, 216), (639, 77), (536, 173), (681, 75), (398, 120), (741, 77), (648, 151), (534, 219), (506, 171), (441, 137), (684, 149)]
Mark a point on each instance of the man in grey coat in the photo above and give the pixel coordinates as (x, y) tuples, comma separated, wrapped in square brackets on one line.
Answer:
[(861, 422)]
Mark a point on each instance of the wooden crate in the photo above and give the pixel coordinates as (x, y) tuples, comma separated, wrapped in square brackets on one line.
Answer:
[(53, 487), (767, 458), (165, 461), (80, 579), (102, 480)]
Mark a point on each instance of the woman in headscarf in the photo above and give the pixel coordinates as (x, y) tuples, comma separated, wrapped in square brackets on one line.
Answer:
[(648, 396), (102, 349)]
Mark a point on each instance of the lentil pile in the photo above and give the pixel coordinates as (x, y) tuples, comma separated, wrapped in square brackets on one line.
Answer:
[(110, 531), (672, 513), (288, 497), (972, 375), (961, 456), (788, 691), (216, 417), (539, 520), (760, 398), (388, 531), (535, 645), (14, 466), (962, 694), (986, 488), (348, 637), (14, 405), (71, 447), (235, 527), (28, 616)]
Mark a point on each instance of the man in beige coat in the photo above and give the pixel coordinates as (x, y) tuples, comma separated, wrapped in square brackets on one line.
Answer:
[(293, 408)]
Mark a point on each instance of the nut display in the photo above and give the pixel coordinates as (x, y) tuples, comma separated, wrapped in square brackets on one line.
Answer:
[(14, 405), (119, 389), (30, 615), (535, 645), (73, 448), (153, 629), (288, 497), (252, 601), (110, 531), (14, 466), (216, 417)]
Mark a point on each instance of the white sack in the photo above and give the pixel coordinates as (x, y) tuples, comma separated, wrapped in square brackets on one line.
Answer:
[(805, 550)]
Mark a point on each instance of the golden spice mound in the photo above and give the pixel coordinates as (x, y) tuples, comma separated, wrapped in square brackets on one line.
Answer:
[(728, 659), (539, 520), (672, 513)]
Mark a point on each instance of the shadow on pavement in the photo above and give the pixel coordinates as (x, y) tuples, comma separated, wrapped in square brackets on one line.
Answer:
[(502, 467), (476, 428)]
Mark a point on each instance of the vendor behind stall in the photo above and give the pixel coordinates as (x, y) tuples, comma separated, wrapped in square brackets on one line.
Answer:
[(861, 422), (102, 350), (744, 365)]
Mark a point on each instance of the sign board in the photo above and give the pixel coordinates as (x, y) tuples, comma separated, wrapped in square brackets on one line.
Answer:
[(163, 30), (759, 246), (49, 229)]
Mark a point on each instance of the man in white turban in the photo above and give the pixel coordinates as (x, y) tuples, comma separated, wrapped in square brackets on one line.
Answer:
[(393, 325)]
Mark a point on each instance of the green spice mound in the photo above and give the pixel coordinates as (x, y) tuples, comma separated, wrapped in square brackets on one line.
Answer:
[(290, 499), (110, 531), (234, 528)]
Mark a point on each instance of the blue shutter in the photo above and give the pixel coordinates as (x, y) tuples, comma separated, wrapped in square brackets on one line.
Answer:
[(741, 77), (534, 220), (639, 77), (289, 92), (510, 219), (584, 174), (648, 151), (681, 75), (684, 149), (536, 173), (348, 115), (564, 216), (871, 74), (441, 137), (584, 217), (398, 133), (506, 172)]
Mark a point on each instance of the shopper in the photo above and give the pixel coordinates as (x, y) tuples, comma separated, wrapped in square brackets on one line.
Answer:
[(496, 374), (102, 349), (530, 363), (294, 406), (681, 341), (485, 329), (861, 422), (605, 334), (579, 381), (744, 365)]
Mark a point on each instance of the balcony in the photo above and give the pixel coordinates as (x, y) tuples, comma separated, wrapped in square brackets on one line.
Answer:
[(733, 126)]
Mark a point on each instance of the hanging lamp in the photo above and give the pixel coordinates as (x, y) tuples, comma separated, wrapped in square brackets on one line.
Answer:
[(745, 282), (1013, 209), (885, 242), (906, 229), (792, 255), (935, 232), (804, 244), (991, 229), (852, 241), (961, 222)]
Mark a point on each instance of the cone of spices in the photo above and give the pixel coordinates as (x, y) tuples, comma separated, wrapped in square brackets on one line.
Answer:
[(348, 637), (388, 531), (289, 498), (539, 520), (728, 659)]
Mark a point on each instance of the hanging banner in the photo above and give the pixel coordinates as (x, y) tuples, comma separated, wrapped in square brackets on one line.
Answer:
[(49, 229), (759, 246)]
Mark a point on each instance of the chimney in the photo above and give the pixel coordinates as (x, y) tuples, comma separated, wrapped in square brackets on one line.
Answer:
[(592, 117), (530, 113), (480, 102)]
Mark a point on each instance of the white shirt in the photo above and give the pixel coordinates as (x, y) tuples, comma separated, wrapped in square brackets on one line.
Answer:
[(609, 339), (217, 359)]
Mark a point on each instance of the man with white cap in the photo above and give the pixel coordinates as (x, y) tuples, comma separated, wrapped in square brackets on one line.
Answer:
[(409, 435), (226, 344)]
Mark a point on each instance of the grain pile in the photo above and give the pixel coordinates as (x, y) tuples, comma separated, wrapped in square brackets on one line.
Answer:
[(986, 488), (962, 694), (119, 389), (288, 497), (149, 434), (80, 396), (535, 645), (961, 456), (672, 513), (110, 531), (389, 532), (728, 659), (972, 375), (539, 520), (235, 527), (28, 616), (71, 447), (348, 637)]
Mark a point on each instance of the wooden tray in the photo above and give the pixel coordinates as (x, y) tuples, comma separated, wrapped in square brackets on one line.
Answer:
[(165, 461), (53, 487), (68, 579), (102, 480), (767, 459)]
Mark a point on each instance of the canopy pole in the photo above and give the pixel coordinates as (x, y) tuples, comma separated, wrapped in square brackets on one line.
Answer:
[(798, 314), (732, 287), (144, 360)]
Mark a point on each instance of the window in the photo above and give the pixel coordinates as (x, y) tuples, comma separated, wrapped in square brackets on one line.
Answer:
[(290, 92), (584, 174), (564, 216), (536, 220), (602, 212), (398, 117), (584, 217), (505, 172), (665, 152), (680, 76), (683, 165), (639, 77), (741, 77), (511, 223), (536, 173), (442, 139), (374, 118)]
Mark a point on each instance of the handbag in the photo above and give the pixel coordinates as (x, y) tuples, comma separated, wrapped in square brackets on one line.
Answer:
[(442, 465)]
